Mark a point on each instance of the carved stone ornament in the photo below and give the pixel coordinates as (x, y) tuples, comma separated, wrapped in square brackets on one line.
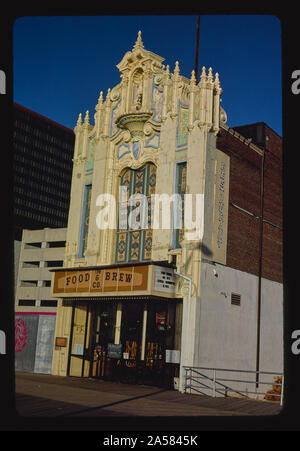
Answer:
[(80, 159), (115, 93), (136, 148), (158, 80), (148, 129), (134, 123), (126, 136), (223, 116)]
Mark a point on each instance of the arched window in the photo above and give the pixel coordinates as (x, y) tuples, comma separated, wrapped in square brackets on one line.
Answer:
[(134, 234)]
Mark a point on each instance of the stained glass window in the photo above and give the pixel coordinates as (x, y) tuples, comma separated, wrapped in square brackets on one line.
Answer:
[(180, 189), (134, 244), (85, 220)]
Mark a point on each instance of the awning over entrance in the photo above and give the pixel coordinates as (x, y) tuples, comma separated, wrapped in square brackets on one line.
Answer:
[(115, 280)]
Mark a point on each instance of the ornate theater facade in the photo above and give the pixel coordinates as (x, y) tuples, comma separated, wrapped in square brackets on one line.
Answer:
[(130, 290)]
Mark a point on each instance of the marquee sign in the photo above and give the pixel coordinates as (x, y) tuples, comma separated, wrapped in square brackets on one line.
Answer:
[(220, 211), (131, 278), (144, 279)]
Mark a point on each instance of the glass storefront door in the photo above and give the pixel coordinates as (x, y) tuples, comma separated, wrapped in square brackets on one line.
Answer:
[(159, 337), (131, 339), (123, 340), (147, 331), (102, 335)]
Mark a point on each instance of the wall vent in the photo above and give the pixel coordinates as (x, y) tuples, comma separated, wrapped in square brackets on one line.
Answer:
[(235, 299)]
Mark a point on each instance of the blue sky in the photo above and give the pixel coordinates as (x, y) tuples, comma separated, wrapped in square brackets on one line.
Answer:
[(62, 63)]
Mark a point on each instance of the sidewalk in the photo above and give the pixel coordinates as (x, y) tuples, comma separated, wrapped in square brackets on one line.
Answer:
[(39, 395)]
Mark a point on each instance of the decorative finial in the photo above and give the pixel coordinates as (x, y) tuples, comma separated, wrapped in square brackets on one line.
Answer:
[(107, 100), (193, 78), (203, 75), (139, 42), (176, 70), (210, 75), (86, 118), (217, 81), (100, 101), (79, 120)]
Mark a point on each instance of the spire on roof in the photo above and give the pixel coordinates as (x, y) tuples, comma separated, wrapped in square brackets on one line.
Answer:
[(217, 81), (210, 75), (87, 118), (79, 121), (193, 78), (139, 43), (203, 76), (100, 102), (176, 70)]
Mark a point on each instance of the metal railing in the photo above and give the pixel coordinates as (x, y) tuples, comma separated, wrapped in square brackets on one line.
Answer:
[(196, 380)]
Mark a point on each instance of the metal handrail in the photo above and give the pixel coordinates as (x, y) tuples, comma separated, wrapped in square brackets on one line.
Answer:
[(215, 380), (202, 384), (195, 375)]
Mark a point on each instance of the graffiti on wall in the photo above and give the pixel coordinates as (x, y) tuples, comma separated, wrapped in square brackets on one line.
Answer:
[(21, 334)]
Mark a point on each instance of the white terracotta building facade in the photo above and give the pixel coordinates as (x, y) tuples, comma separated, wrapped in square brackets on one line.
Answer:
[(139, 304)]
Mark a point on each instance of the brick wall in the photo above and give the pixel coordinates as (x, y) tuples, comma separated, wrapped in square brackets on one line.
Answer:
[(243, 246)]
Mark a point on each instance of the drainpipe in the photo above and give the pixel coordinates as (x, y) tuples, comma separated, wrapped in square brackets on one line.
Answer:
[(260, 267), (189, 279)]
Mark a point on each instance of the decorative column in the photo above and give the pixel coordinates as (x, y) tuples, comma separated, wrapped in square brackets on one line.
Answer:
[(209, 98), (202, 85), (147, 88), (216, 110), (144, 331), (124, 93), (118, 323), (98, 114), (192, 96), (85, 134), (175, 91), (166, 85), (107, 114), (77, 131)]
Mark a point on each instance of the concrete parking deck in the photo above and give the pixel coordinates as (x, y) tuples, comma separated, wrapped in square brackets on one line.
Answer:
[(39, 395)]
